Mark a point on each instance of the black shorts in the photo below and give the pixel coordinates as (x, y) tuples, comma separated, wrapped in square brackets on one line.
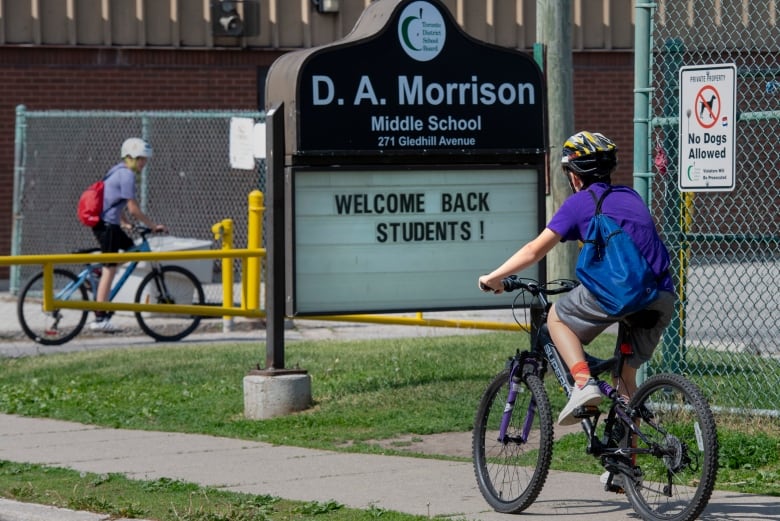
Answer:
[(112, 238)]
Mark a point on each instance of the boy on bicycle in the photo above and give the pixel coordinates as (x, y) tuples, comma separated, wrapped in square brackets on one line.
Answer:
[(118, 196), (588, 161)]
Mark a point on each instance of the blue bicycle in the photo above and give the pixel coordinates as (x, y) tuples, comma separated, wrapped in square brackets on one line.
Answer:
[(162, 285)]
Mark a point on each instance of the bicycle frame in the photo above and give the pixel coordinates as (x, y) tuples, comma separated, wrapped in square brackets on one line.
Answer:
[(88, 274), (543, 353), (142, 246)]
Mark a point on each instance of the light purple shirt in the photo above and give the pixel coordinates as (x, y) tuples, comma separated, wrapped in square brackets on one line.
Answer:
[(626, 207), (119, 187)]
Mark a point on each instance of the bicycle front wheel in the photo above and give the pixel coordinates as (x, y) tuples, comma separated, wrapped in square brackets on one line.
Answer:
[(54, 327), (676, 475), (169, 285), (511, 471)]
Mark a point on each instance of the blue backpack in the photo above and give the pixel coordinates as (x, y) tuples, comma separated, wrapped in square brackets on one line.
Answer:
[(611, 266)]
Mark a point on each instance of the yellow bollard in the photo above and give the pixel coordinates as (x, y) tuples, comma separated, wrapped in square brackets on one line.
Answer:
[(254, 241), (223, 231)]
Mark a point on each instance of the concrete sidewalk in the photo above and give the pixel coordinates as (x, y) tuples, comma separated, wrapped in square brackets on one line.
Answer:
[(428, 487)]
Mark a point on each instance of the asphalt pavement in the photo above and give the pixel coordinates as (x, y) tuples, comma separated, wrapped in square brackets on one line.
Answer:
[(427, 487)]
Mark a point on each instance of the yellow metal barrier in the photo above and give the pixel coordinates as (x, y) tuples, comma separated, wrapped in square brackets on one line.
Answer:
[(254, 240), (419, 320), (48, 262), (250, 280), (223, 231)]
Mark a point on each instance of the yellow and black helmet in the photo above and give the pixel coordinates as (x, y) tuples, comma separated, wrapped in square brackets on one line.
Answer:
[(590, 154)]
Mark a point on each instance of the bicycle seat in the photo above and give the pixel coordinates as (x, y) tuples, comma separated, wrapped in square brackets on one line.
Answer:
[(645, 319)]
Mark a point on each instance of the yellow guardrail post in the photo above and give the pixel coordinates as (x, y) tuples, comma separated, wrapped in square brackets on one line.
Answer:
[(223, 231), (254, 240), (48, 283)]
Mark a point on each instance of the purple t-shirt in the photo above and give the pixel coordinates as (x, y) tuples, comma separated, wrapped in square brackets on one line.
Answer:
[(118, 188), (626, 207)]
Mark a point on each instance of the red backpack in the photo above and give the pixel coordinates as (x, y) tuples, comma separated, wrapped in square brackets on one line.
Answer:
[(90, 205)]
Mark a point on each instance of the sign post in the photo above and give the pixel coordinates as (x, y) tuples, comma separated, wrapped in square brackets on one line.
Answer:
[(411, 157), (707, 128)]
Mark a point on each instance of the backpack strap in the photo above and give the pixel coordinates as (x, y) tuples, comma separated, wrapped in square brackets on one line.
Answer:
[(600, 200), (113, 169), (105, 177)]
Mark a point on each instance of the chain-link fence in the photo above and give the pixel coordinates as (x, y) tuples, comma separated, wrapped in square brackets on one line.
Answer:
[(725, 244), (188, 185)]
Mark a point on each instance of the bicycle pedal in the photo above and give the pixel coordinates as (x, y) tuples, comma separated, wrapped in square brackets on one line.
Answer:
[(617, 489), (586, 411)]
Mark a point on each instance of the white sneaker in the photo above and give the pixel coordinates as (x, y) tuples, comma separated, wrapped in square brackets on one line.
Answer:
[(587, 395), (104, 326), (617, 480)]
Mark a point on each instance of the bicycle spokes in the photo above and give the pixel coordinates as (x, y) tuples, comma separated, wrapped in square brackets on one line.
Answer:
[(677, 450), (512, 443), (51, 327), (169, 285)]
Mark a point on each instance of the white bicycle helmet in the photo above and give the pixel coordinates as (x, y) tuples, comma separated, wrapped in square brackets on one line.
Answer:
[(136, 147)]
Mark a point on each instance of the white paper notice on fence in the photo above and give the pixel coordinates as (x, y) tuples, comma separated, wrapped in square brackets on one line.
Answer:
[(242, 143), (259, 137)]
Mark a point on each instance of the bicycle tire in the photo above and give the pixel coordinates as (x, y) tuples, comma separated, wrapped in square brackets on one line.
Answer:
[(55, 327), (669, 487), (183, 288), (511, 474)]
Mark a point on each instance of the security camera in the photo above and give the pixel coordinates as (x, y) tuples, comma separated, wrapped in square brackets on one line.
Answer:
[(225, 19)]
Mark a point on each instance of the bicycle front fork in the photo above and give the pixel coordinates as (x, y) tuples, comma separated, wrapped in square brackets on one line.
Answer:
[(519, 366)]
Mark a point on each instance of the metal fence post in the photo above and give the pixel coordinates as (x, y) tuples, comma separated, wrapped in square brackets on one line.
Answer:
[(674, 337), (144, 202), (20, 135)]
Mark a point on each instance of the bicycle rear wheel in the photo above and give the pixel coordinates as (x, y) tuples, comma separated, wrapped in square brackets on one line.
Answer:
[(55, 327), (511, 472), (676, 482), (169, 285)]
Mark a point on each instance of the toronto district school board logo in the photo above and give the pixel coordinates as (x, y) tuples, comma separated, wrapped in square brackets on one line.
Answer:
[(421, 31)]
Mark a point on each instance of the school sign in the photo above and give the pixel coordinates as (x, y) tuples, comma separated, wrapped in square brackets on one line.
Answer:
[(413, 161)]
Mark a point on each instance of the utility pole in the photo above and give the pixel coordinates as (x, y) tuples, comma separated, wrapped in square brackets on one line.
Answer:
[(554, 30)]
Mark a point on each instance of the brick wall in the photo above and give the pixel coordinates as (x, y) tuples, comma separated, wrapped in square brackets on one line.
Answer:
[(604, 102), (144, 79)]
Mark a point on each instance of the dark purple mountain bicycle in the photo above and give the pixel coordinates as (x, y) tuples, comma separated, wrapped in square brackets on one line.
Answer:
[(661, 448)]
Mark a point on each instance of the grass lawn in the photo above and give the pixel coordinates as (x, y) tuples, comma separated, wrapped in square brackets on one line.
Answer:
[(363, 391)]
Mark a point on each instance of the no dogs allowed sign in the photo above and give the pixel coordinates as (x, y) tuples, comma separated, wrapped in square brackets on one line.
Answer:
[(707, 128)]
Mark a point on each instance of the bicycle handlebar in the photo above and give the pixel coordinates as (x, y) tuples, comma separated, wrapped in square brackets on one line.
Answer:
[(513, 283), (143, 230)]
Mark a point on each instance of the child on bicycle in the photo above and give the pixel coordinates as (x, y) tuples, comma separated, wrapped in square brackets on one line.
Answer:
[(118, 196), (588, 161)]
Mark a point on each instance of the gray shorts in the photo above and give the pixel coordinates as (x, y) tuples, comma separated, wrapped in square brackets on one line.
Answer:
[(581, 312)]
